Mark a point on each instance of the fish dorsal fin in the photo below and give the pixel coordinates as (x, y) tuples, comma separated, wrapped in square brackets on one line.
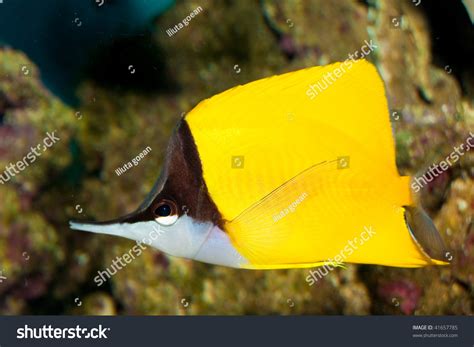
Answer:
[(425, 234), (273, 129)]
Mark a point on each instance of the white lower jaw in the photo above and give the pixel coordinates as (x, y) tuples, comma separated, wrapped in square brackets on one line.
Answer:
[(188, 238), (108, 229)]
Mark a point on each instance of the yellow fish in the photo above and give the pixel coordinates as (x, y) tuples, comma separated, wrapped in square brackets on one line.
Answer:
[(296, 170)]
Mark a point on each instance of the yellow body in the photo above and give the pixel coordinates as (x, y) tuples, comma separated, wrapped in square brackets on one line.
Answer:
[(267, 144)]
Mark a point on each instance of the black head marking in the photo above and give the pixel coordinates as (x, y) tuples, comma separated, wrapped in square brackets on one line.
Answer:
[(181, 183)]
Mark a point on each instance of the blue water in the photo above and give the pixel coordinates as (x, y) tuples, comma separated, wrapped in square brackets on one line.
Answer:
[(60, 35)]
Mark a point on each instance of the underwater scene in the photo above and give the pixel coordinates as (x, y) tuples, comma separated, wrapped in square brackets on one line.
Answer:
[(341, 182)]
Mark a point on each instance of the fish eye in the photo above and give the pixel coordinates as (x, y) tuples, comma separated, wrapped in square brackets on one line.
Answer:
[(166, 212)]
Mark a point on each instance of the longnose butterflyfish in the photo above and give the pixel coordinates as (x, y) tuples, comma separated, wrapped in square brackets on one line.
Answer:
[(291, 171)]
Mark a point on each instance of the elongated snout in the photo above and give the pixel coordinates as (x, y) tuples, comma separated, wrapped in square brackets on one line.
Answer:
[(110, 227)]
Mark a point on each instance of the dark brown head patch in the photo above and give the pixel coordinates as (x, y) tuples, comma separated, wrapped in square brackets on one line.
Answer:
[(182, 182)]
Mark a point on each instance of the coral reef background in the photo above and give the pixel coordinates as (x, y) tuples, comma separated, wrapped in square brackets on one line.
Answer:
[(425, 54)]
